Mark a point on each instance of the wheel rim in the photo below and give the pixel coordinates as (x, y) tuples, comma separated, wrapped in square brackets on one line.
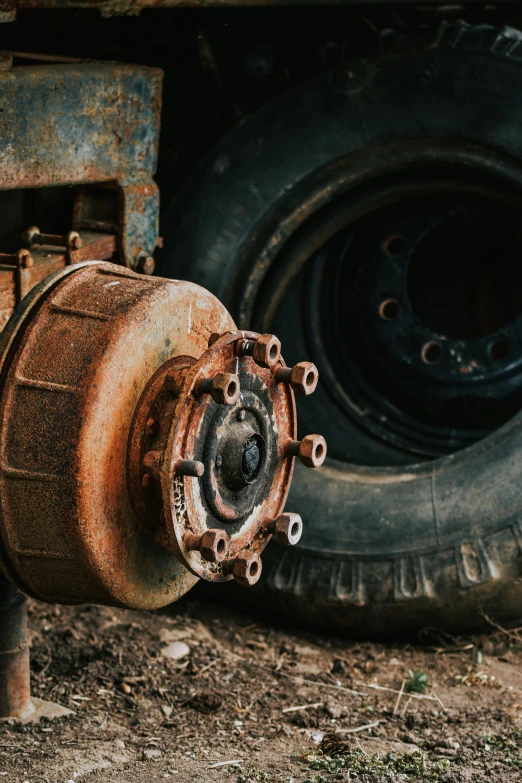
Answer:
[(411, 373)]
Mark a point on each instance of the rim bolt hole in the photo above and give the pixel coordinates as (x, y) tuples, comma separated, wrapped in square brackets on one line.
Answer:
[(499, 350), (394, 245), (432, 353), (389, 310)]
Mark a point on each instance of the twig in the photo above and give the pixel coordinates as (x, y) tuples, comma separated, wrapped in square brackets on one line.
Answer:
[(399, 697), (359, 728), (205, 668), (447, 650), (234, 763), (512, 634), (303, 707), (406, 706), (302, 681), (394, 690)]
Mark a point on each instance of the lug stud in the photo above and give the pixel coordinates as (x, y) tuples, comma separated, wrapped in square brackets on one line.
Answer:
[(265, 350), (286, 529), (246, 569), (302, 377), (223, 388), (190, 467), (213, 545), (311, 450)]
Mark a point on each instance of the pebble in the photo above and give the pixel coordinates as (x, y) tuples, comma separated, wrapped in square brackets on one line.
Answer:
[(151, 754), (175, 650), (119, 743), (167, 710)]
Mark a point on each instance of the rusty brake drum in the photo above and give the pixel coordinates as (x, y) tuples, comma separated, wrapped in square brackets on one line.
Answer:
[(144, 441)]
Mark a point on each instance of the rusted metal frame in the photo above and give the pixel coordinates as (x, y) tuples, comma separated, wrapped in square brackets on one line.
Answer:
[(20, 272), (87, 123), (15, 693)]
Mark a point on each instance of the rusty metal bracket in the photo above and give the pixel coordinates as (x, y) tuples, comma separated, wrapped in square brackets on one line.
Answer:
[(85, 124)]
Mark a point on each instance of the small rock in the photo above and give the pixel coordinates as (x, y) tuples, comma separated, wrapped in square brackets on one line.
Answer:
[(335, 710), (175, 650), (395, 662), (339, 666), (125, 688), (119, 743), (152, 754), (166, 710)]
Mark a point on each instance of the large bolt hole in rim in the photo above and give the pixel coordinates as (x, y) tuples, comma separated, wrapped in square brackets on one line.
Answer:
[(485, 353)]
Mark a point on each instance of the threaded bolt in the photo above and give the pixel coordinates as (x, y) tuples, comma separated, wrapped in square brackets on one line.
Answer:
[(246, 569), (311, 450), (213, 544), (302, 377), (190, 467), (265, 349), (223, 388), (286, 529)]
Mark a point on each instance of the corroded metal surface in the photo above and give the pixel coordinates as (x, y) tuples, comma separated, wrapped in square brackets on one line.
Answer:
[(20, 272), (15, 695), (238, 437), (143, 441), (67, 403), (87, 123)]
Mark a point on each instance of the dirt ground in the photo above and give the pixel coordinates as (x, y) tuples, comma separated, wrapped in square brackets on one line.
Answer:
[(209, 693)]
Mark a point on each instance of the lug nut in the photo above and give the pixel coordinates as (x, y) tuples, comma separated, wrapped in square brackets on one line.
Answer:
[(190, 467), (24, 259), (302, 377), (311, 450), (213, 545), (286, 529), (247, 569), (265, 349), (223, 388), (74, 240)]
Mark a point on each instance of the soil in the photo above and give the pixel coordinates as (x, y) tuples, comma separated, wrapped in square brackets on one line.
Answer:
[(207, 692)]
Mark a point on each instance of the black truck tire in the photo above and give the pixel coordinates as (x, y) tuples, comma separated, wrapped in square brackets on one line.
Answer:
[(397, 537)]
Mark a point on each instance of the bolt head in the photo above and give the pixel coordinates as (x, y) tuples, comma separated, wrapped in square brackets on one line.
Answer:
[(246, 569), (288, 529), (25, 259), (312, 451), (214, 546), (266, 350), (225, 388), (74, 240), (145, 264), (304, 378)]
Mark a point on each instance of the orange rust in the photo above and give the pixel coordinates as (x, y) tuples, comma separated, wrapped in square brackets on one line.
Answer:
[(102, 373)]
